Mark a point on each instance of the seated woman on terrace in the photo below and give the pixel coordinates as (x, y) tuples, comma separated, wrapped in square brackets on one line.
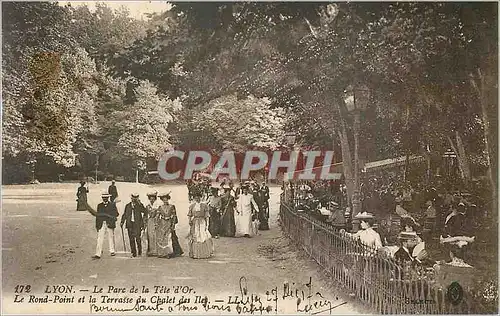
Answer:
[(456, 230), (409, 225), (366, 235)]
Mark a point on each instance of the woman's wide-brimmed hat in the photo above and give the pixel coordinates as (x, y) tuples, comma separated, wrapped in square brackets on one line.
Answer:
[(164, 194), (364, 215)]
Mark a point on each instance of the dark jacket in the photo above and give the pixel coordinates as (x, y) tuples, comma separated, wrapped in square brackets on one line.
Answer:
[(456, 226), (106, 213), (82, 192), (265, 192), (138, 210), (113, 191), (402, 255)]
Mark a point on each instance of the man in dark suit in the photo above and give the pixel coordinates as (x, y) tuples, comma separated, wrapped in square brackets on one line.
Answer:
[(113, 191), (408, 242), (108, 214), (133, 216)]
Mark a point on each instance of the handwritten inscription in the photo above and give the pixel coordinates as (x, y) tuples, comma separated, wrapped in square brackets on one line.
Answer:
[(288, 298)]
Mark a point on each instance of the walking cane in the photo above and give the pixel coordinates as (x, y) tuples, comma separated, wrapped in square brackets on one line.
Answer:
[(123, 238)]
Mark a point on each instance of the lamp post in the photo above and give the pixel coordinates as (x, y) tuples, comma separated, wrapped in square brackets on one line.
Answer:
[(356, 99), (290, 139)]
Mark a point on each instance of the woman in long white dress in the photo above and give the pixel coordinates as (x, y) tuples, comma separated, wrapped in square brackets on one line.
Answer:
[(245, 208)]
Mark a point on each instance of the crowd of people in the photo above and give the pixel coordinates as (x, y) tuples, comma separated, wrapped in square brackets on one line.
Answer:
[(234, 211), (214, 212), (397, 218)]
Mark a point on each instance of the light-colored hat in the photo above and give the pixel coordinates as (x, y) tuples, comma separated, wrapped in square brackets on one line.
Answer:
[(364, 215), (398, 199), (164, 194), (134, 195), (105, 194), (152, 193), (305, 187)]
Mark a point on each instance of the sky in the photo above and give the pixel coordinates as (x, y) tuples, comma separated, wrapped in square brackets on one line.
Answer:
[(136, 8)]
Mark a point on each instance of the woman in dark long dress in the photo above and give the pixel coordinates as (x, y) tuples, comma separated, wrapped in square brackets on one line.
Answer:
[(163, 230), (171, 212), (214, 205), (228, 227), (81, 194)]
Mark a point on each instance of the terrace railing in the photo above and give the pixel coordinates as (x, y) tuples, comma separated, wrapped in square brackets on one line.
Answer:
[(376, 280)]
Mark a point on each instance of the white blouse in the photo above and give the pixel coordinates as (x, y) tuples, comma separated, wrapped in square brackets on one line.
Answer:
[(369, 237)]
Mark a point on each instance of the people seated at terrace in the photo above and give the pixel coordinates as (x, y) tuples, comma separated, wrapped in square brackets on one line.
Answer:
[(366, 235), (409, 225), (408, 241), (399, 208), (337, 218)]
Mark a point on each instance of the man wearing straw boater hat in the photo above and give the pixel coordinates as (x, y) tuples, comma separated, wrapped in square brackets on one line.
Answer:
[(105, 221), (408, 240), (134, 223)]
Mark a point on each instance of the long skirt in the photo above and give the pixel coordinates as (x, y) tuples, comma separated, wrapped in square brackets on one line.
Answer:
[(201, 245), (176, 245), (244, 223), (228, 227), (164, 238), (81, 204), (151, 233), (264, 216), (214, 222)]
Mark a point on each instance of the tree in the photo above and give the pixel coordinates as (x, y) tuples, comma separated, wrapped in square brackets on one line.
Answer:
[(242, 124), (49, 86), (144, 125)]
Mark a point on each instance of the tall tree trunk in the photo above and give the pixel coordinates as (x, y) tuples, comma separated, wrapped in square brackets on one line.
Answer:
[(407, 141), (463, 160), (461, 157), (347, 162), (346, 154), (482, 95), (428, 160)]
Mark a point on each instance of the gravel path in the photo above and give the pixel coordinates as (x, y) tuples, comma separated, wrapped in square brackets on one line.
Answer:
[(47, 243)]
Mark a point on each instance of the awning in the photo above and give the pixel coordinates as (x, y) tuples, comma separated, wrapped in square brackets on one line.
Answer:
[(390, 163)]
